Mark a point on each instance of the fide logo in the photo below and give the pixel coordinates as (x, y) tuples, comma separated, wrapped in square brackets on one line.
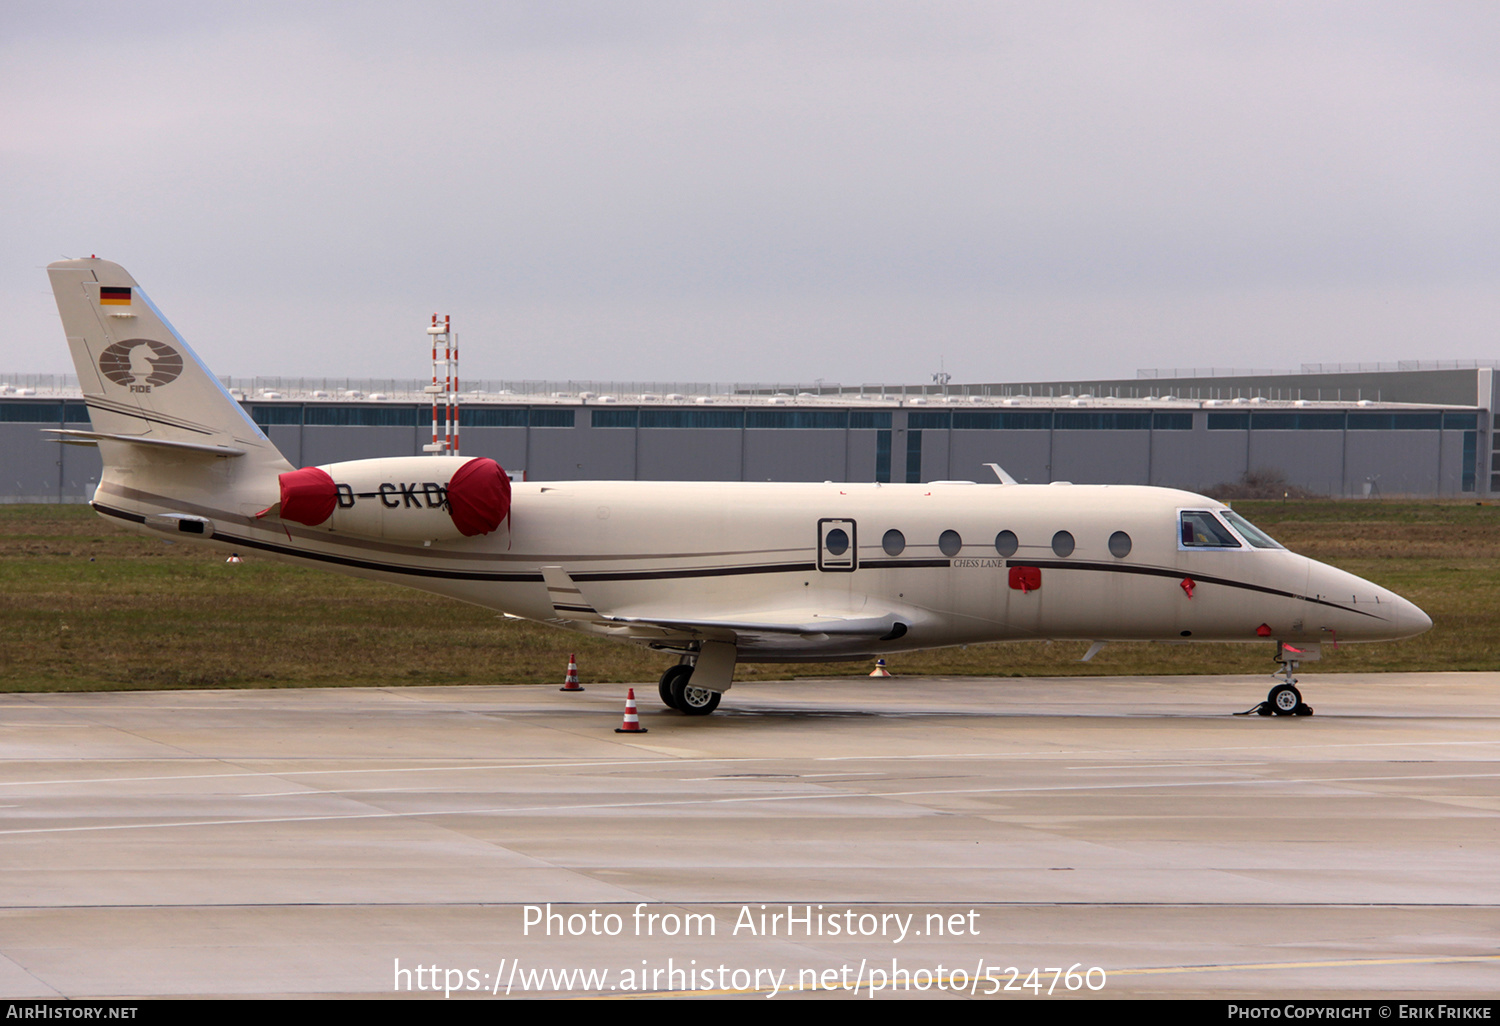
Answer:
[(140, 363)]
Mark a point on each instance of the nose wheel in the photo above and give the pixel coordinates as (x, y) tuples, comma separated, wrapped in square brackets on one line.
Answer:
[(1284, 699)]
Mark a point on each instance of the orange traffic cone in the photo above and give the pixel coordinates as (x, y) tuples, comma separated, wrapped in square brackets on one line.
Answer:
[(880, 670), (571, 684), (632, 724)]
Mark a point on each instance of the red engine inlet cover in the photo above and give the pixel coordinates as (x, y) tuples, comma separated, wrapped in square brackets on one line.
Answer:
[(308, 496), (478, 497)]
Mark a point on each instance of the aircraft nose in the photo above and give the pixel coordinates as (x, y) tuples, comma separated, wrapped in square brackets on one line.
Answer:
[(1410, 620), (1373, 613)]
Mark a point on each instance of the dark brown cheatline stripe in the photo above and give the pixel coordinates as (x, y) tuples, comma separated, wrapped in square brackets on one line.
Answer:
[(1154, 571), (710, 571), (326, 557), (902, 564)]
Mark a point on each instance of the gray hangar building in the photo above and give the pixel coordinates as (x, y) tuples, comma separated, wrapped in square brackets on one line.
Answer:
[(1409, 429)]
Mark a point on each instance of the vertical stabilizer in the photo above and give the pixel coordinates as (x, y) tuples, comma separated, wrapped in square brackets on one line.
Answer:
[(139, 377), (167, 431)]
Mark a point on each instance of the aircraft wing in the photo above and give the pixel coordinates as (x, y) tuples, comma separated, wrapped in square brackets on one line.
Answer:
[(807, 624), (775, 628)]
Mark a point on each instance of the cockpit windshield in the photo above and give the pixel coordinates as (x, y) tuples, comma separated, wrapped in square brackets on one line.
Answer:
[(1248, 531), (1201, 531)]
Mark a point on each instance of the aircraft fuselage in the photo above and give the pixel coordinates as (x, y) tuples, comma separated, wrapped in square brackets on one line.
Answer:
[(735, 552)]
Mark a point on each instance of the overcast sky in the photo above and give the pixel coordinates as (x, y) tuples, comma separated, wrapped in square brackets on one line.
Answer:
[(764, 191)]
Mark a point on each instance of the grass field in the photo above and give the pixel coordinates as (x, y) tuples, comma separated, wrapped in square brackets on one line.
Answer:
[(88, 606)]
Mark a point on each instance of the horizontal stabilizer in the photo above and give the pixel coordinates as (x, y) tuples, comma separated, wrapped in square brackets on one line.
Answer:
[(69, 436)]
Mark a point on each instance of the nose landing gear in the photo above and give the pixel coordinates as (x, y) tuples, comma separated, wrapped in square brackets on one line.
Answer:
[(1284, 699)]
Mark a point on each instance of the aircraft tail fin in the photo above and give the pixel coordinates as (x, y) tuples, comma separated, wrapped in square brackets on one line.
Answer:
[(140, 380)]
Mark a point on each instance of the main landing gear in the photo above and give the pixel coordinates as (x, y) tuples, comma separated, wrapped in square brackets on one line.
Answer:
[(1284, 699), (677, 692)]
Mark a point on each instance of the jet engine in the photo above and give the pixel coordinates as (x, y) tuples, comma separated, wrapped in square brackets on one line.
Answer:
[(403, 498)]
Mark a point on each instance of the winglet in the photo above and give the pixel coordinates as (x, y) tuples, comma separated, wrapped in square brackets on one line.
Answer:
[(1001, 474), (567, 601)]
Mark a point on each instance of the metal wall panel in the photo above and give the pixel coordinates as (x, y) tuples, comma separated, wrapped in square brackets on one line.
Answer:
[(1197, 459), (685, 454), (1451, 476), (288, 439), (1310, 459), (31, 469), (81, 467), (322, 443), (591, 454), (558, 454), (859, 447), (789, 454), (506, 446), (1101, 457), (1394, 462)]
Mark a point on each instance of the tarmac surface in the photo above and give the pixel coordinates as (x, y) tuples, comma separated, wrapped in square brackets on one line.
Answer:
[(918, 837)]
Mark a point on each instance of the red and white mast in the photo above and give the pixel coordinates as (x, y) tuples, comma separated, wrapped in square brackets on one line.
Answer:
[(444, 388)]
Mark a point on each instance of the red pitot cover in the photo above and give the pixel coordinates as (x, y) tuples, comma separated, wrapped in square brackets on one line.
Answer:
[(478, 497), (308, 496), (1025, 578)]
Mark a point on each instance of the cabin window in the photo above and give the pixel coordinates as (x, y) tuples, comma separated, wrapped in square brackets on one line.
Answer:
[(836, 542), (1062, 543), (1119, 545), (1006, 543), (949, 543), (1200, 530), (894, 542)]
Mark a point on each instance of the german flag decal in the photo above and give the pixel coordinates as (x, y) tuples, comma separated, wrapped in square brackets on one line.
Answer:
[(113, 295)]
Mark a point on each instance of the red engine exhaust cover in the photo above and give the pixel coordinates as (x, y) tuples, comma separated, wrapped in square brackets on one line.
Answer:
[(478, 497)]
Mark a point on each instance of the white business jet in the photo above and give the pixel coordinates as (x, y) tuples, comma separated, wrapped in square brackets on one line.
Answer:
[(714, 573)]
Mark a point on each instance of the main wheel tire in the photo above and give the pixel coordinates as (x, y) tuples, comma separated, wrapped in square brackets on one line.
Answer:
[(692, 700), (668, 689), (1285, 700)]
